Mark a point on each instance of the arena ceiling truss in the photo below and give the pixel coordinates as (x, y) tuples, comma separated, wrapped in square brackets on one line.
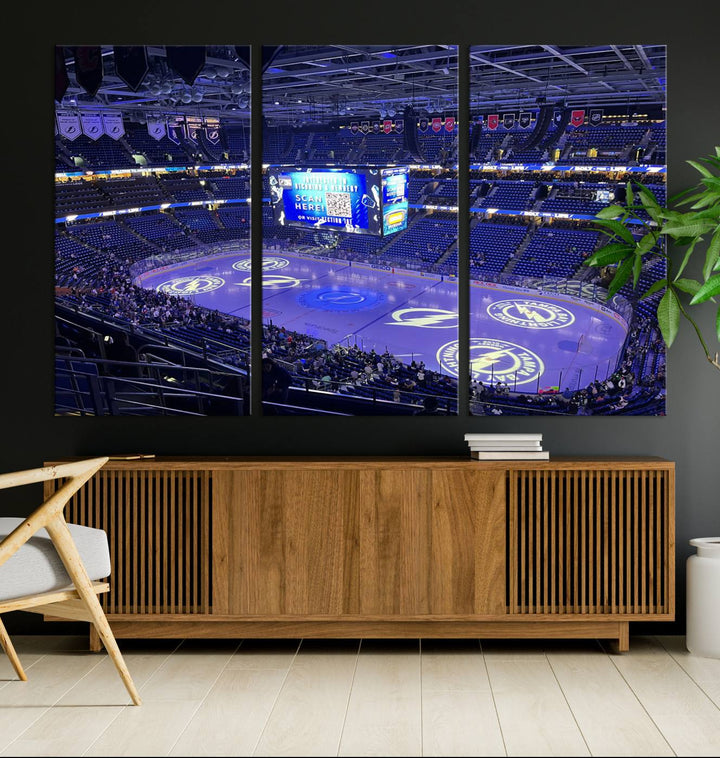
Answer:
[(311, 84)]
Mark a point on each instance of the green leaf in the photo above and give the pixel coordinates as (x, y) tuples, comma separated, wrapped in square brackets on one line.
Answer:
[(622, 274), (629, 200), (653, 288), (682, 241), (710, 214), (687, 285), (668, 313), (712, 257), (674, 199), (686, 258), (609, 254), (650, 204), (690, 228), (675, 216), (711, 181), (612, 211), (699, 167), (618, 229), (706, 199), (646, 243), (637, 267), (708, 290)]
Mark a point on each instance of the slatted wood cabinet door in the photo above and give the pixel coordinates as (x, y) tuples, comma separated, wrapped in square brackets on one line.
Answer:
[(159, 526), (591, 541)]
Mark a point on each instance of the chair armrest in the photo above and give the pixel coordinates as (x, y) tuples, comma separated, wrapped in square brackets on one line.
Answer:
[(77, 474), (44, 474)]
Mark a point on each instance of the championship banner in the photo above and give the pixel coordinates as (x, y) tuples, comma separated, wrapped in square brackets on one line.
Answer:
[(400, 125), (69, 125), (186, 60), (193, 125), (89, 68), (62, 81), (436, 123), (449, 123), (176, 129), (376, 127), (577, 118), (423, 124), (493, 120), (91, 125), (508, 120), (131, 64), (212, 131), (113, 125), (596, 116), (364, 127), (557, 117), (354, 127), (387, 125), (156, 127), (524, 120)]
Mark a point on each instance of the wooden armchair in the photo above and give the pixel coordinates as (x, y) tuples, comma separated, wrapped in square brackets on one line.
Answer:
[(49, 566)]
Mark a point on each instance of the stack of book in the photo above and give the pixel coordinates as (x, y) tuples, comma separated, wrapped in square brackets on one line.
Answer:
[(500, 447)]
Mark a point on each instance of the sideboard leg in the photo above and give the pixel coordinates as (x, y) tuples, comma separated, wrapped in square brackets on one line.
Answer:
[(95, 643), (622, 643)]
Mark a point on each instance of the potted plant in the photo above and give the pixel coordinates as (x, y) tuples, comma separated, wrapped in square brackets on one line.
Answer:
[(642, 229)]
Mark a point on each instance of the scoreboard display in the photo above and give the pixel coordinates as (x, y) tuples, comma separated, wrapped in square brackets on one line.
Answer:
[(354, 200)]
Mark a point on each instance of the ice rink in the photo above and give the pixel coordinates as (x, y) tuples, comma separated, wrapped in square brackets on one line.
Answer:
[(529, 340)]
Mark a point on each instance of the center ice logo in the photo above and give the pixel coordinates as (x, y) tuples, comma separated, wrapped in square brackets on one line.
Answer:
[(191, 285), (341, 298), (427, 318), (531, 314), (273, 282), (494, 360), (269, 263)]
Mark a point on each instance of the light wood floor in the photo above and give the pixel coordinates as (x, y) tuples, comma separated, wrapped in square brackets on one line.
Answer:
[(358, 698)]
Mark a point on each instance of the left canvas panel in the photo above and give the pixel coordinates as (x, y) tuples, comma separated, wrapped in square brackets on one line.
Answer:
[(152, 230)]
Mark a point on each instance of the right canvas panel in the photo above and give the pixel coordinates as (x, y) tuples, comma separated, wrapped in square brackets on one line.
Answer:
[(557, 132)]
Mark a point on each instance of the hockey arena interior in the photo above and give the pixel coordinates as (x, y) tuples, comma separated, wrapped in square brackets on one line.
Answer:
[(361, 253)]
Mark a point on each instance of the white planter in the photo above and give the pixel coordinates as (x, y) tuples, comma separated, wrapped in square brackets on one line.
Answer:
[(703, 598)]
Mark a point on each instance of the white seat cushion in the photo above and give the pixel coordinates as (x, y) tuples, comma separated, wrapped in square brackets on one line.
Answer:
[(36, 567)]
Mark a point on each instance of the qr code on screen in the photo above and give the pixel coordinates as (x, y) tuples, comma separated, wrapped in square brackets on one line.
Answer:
[(338, 204)]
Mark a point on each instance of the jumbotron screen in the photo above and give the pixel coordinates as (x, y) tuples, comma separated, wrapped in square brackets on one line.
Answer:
[(355, 200)]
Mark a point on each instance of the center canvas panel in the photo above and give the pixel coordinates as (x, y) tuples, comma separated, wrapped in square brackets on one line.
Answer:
[(359, 275)]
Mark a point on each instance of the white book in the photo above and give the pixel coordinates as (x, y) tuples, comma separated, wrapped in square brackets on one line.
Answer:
[(496, 455), (503, 437), (529, 447)]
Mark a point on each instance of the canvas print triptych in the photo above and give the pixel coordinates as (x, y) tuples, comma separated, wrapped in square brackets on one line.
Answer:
[(381, 293)]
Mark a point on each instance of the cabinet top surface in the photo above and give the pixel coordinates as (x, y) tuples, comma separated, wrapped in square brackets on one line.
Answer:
[(352, 462)]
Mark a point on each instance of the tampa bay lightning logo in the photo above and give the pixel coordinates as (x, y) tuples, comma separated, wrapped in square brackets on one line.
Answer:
[(530, 314), (494, 360), (342, 298), (269, 263), (273, 282), (191, 285), (426, 318)]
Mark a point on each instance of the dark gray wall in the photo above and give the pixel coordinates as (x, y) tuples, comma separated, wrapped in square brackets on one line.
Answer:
[(688, 435)]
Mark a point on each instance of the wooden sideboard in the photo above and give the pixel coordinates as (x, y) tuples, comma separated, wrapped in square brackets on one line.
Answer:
[(384, 547)]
